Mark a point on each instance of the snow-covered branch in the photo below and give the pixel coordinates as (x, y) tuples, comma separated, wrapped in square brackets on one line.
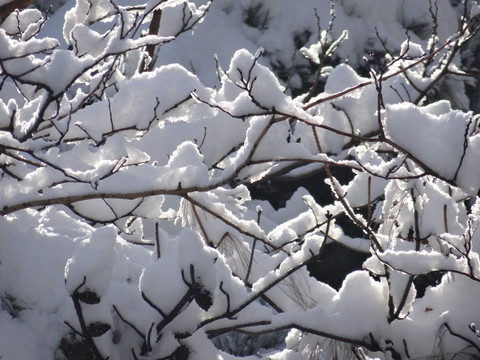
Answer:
[(128, 178)]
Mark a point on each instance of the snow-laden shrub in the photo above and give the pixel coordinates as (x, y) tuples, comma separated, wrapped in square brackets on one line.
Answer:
[(128, 230)]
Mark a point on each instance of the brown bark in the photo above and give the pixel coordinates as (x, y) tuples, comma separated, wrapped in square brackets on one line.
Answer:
[(11, 6), (153, 30)]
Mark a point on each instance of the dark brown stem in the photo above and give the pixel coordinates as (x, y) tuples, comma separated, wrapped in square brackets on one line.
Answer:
[(150, 49), (252, 253), (128, 322), (11, 6), (86, 334), (341, 198), (202, 228), (421, 60), (157, 239)]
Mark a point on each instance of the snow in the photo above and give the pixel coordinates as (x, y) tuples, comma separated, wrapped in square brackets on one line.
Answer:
[(411, 50), (417, 130), (421, 262), (342, 77), (26, 22), (91, 265), (160, 281), (18, 340), (12, 48), (126, 194), (359, 299), (469, 174), (474, 10)]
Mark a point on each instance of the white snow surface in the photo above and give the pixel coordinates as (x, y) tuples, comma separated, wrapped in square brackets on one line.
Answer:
[(135, 186)]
